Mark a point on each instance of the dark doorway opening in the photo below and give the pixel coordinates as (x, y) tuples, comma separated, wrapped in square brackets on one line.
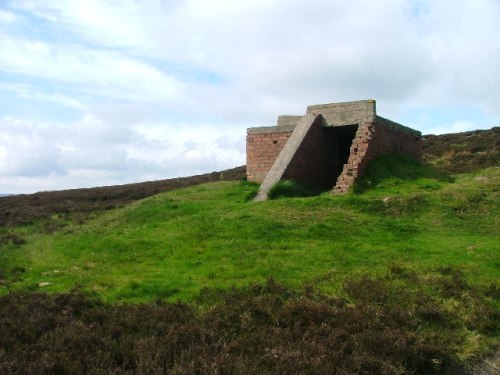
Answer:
[(342, 139)]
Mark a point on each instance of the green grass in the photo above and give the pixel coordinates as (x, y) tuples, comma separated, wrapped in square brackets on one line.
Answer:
[(172, 245), (289, 189), (400, 174)]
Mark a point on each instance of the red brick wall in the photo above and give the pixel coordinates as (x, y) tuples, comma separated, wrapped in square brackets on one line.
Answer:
[(314, 163), (359, 149), (388, 138), (373, 139), (262, 151)]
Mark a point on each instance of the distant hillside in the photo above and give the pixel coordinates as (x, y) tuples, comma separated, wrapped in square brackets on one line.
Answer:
[(450, 153), (27, 208), (463, 152)]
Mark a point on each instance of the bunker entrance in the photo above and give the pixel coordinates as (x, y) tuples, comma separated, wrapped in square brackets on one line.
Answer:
[(342, 138)]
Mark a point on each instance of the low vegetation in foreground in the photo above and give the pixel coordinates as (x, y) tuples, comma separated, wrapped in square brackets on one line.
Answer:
[(398, 277), (402, 323)]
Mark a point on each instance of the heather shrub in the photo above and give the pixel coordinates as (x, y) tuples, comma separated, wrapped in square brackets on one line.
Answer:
[(378, 326)]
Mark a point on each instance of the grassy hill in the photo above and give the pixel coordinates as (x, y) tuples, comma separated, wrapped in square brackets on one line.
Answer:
[(175, 243), (400, 276)]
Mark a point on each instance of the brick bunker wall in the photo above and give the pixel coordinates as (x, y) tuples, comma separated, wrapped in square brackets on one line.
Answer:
[(263, 147), (314, 162), (376, 138), (323, 158), (391, 137)]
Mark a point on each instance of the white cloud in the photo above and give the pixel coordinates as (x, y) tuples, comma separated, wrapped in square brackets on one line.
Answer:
[(167, 87), (100, 73), (25, 91), (295, 52), (107, 23), (456, 127), (7, 17), (26, 150), (93, 152)]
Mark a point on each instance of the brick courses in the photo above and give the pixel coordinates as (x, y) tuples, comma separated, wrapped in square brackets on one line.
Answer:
[(263, 148), (324, 158), (376, 138)]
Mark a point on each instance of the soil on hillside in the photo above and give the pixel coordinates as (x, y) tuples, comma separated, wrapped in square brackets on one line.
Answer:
[(450, 153)]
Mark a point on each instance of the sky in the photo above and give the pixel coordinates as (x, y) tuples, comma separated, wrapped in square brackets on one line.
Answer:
[(105, 92)]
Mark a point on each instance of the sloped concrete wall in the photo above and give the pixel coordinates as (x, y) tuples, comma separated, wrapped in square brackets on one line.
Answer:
[(291, 154), (308, 153), (314, 164)]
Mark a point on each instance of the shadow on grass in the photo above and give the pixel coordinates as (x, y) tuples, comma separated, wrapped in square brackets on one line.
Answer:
[(292, 189)]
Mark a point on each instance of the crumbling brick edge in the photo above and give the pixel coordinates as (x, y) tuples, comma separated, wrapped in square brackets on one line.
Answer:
[(319, 152)]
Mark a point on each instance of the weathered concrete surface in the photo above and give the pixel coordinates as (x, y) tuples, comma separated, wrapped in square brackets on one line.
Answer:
[(287, 120), (345, 113), (271, 129), (283, 160)]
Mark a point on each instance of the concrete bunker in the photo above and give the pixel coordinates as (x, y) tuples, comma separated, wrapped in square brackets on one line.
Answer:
[(327, 148)]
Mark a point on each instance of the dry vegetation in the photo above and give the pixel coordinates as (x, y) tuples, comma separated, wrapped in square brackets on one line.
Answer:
[(463, 152), (375, 328)]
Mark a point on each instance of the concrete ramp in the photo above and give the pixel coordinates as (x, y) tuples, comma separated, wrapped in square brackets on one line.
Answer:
[(286, 156)]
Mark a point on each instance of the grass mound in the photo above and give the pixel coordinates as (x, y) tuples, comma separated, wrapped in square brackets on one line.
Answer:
[(289, 189), (404, 280), (450, 153), (398, 173), (401, 323), (172, 245)]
